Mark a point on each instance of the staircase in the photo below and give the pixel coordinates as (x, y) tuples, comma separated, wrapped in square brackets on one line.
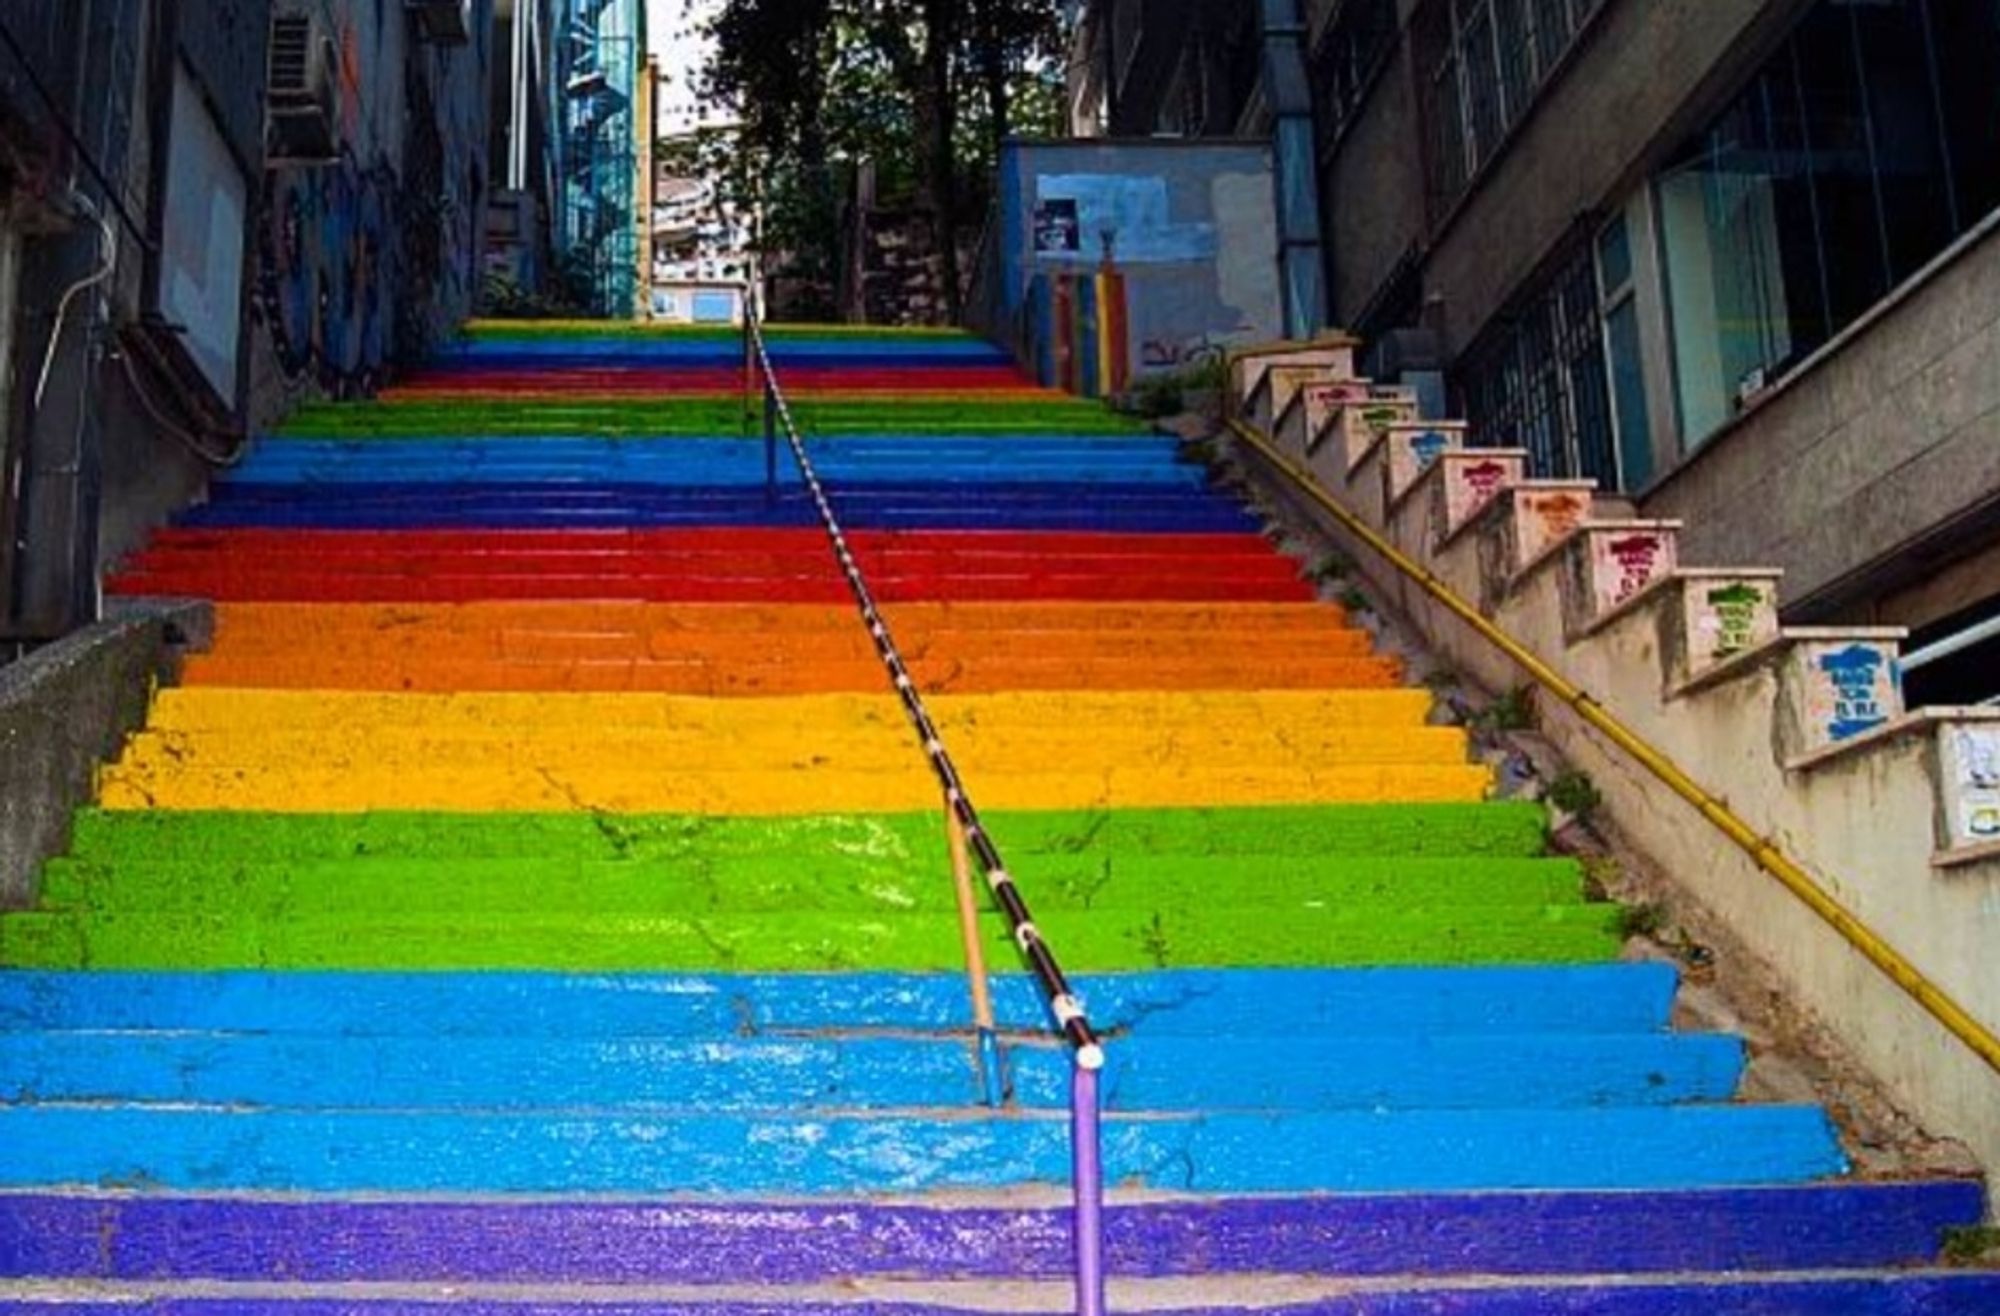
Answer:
[(536, 902)]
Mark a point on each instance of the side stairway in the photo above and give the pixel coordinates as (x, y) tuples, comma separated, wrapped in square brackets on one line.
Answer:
[(536, 901)]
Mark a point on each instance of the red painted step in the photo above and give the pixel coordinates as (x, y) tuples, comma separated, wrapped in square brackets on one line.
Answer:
[(323, 585), (1046, 544)]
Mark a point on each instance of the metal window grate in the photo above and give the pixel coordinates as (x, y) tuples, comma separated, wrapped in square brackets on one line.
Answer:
[(1537, 381)]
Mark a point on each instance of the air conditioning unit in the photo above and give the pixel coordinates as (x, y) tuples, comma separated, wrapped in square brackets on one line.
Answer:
[(446, 22), (302, 122)]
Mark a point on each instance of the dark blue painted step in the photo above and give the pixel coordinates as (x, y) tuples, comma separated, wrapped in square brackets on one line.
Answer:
[(139, 1238)]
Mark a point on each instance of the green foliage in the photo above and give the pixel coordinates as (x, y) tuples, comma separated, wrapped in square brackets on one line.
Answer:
[(1647, 920), (1601, 874), (1352, 599), (1971, 1245), (1170, 393), (1574, 793), (1512, 711)]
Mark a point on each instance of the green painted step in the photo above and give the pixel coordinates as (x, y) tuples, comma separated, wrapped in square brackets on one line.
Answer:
[(115, 838), (1100, 939), (825, 880), (694, 416)]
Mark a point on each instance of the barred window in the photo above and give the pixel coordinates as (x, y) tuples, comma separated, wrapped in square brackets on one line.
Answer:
[(1536, 379), (1354, 47), (1490, 58)]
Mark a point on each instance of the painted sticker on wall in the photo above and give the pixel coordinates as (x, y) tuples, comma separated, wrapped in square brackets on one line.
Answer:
[(1631, 562), (1974, 778), (1119, 219), (1056, 226), (1729, 619), (1855, 690)]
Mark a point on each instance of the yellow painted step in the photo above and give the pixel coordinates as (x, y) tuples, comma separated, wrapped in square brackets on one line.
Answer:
[(309, 712), (1161, 744), (621, 788)]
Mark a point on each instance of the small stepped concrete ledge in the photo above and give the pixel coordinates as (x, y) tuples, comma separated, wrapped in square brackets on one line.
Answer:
[(535, 899), (1891, 815)]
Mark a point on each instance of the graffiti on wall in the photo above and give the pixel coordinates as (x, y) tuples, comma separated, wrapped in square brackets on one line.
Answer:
[(370, 259)]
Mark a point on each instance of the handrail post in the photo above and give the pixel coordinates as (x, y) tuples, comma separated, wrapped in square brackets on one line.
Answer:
[(972, 842), (975, 958), (1087, 1161), (770, 441)]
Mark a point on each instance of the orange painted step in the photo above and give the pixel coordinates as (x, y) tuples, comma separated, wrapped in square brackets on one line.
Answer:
[(715, 650)]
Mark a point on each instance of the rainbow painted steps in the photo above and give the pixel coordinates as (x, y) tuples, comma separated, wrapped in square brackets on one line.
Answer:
[(1439, 1073)]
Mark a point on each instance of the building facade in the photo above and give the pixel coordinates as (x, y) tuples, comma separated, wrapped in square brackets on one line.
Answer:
[(207, 212), (1737, 258)]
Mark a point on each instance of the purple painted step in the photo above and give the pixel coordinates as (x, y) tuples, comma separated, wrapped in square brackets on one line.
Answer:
[(1959, 1294), (139, 1238)]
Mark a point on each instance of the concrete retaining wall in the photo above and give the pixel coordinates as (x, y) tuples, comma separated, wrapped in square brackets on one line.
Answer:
[(1896, 815), (68, 707)]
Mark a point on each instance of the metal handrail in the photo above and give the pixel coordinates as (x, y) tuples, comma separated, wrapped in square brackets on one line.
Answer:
[(1892, 963), (1087, 1050), (1063, 1002)]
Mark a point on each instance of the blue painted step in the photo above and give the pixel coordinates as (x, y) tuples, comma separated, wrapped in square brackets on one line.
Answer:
[(866, 507), (1382, 1003), (719, 460), (858, 1073), (1590, 1147), (1844, 1226)]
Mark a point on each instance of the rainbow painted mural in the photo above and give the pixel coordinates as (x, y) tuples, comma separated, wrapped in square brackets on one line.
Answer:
[(537, 887)]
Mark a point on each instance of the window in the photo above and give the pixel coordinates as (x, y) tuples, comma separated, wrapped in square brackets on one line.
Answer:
[(1355, 45), (1491, 57), (1618, 306), (1536, 380), (1860, 150)]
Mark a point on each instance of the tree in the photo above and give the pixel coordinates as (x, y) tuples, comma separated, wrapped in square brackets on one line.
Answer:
[(827, 83)]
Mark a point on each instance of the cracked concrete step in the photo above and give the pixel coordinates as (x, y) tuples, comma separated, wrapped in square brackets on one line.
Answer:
[(1101, 938), (1353, 1151), (831, 881), (1421, 1239), (507, 788), (717, 416), (980, 749), (1515, 829), (789, 674), (288, 586), (288, 622), (800, 1076), (1620, 998), (321, 712), (1933, 1293)]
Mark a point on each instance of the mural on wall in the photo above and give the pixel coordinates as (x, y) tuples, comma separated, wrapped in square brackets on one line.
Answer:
[(1113, 261), (372, 258)]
